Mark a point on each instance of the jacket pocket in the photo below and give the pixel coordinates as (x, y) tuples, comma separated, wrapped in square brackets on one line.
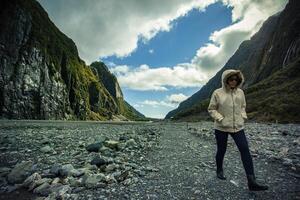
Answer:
[(227, 122), (239, 120)]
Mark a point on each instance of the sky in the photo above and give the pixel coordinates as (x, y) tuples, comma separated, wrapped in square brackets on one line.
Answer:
[(161, 52)]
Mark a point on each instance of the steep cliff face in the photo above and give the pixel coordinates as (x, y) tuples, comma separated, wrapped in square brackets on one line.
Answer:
[(110, 82), (108, 79), (41, 74), (275, 47)]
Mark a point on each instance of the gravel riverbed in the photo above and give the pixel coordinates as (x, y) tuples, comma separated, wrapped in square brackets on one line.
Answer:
[(142, 160)]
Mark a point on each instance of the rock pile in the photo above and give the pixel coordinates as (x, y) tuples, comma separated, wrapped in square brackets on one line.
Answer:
[(60, 164)]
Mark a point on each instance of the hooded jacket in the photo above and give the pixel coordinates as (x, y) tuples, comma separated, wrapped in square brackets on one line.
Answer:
[(228, 106)]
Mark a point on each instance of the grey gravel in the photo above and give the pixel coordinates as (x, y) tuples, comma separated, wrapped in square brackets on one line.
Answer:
[(162, 160)]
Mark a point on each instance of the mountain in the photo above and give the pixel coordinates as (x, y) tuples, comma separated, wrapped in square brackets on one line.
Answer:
[(110, 82), (42, 75), (270, 64)]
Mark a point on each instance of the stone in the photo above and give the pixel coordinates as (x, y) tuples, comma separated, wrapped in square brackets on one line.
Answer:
[(65, 170), (197, 192), (78, 189), (127, 181), (55, 180), (98, 161), (89, 167), (30, 182), (45, 141), (81, 144), (110, 179), (131, 142), (46, 149), (122, 176), (74, 182), (234, 183), (123, 138), (59, 189), (4, 171), (283, 151), (20, 172), (287, 162), (94, 147), (43, 189), (77, 173), (55, 169), (43, 180), (112, 144), (296, 141), (284, 132), (110, 167), (93, 180), (11, 188)]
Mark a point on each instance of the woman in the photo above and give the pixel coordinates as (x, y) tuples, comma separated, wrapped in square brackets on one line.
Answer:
[(228, 108)]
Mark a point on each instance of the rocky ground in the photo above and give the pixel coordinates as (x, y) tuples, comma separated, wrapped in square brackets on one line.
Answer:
[(161, 160)]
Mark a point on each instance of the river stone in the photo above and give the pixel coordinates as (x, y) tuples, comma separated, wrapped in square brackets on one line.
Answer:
[(93, 180), (111, 167), (55, 169), (76, 172), (130, 142), (20, 172), (112, 144), (123, 138), (55, 180), (98, 161), (4, 171), (65, 170), (45, 141), (74, 182), (94, 147), (284, 132), (30, 182), (46, 149), (43, 189), (59, 189)]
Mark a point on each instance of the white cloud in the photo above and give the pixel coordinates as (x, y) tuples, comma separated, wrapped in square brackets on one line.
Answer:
[(171, 101), (113, 27), (146, 78), (177, 98), (151, 51), (119, 70), (138, 105), (110, 64), (248, 16), (156, 104)]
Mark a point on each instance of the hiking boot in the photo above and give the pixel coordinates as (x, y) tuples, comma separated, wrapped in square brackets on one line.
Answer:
[(220, 175), (253, 185)]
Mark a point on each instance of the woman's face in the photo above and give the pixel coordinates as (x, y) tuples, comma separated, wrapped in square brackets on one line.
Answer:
[(232, 81)]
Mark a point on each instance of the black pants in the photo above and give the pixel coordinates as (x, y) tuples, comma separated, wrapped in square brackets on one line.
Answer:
[(242, 144)]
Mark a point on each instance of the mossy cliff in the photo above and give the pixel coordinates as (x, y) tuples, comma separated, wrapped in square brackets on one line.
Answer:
[(42, 75), (110, 82)]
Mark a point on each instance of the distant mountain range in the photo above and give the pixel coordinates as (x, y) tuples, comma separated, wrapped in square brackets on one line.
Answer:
[(270, 62), (42, 76)]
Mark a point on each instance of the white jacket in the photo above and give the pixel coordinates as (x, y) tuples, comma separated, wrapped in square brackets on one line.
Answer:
[(228, 106)]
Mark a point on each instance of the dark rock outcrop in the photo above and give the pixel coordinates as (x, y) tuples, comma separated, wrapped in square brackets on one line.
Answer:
[(41, 74)]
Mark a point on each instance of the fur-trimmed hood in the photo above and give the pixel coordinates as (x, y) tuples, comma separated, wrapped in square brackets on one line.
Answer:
[(227, 73)]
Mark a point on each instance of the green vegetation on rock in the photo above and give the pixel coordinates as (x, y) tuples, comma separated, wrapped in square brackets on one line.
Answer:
[(36, 44)]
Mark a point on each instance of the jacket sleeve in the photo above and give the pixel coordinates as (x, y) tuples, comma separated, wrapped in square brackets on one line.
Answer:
[(244, 114), (212, 108)]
